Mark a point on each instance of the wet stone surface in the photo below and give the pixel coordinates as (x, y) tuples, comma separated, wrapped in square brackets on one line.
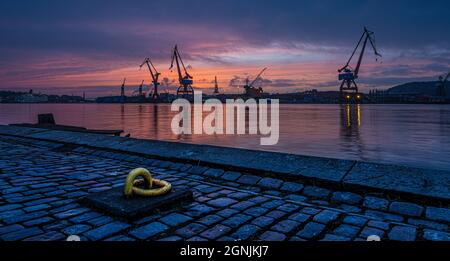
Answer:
[(40, 188)]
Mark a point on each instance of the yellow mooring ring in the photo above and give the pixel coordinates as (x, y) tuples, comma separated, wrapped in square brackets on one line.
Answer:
[(131, 184)]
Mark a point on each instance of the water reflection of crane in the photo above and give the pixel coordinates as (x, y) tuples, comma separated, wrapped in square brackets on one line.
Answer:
[(122, 116), (185, 79), (353, 116), (347, 75), (351, 127), (155, 120)]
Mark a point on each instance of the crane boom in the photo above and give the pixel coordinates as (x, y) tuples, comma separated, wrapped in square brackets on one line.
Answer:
[(353, 54), (177, 58), (367, 36), (257, 77), (358, 65), (186, 79), (250, 91), (441, 85), (155, 75), (372, 42), (446, 77)]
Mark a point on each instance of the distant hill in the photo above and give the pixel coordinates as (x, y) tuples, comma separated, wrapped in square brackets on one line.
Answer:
[(427, 88)]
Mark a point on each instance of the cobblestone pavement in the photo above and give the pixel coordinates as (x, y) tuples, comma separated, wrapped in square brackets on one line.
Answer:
[(40, 183)]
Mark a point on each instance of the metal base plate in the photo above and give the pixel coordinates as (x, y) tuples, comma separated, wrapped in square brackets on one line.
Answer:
[(113, 202)]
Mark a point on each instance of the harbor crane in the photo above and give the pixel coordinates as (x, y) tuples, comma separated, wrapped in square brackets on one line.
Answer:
[(216, 86), (140, 88), (346, 74), (154, 74), (441, 85), (122, 88), (122, 91), (185, 79), (253, 92)]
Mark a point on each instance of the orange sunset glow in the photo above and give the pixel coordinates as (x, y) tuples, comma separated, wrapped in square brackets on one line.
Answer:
[(88, 51)]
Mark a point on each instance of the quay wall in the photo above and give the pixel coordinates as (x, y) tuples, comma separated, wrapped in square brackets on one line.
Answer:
[(423, 184)]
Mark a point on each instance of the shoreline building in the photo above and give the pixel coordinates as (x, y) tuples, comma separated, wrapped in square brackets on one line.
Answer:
[(30, 97)]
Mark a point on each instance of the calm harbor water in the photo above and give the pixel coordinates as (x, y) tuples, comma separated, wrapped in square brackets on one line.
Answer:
[(412, 135)]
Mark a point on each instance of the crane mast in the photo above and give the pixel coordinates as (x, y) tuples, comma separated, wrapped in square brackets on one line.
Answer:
[(140, 88), (346, 74), (216, 86), (185, 79), (154, 74), (122, 91), (441, 85)]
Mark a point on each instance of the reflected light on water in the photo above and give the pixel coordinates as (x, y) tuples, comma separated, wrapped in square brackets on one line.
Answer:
[(414, 135)]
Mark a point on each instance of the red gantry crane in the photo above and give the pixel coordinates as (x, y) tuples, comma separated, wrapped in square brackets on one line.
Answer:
[(185, 79), (154, 74), (346, 74)]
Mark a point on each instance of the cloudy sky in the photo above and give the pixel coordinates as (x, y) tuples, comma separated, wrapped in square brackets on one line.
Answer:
[(75, 46)]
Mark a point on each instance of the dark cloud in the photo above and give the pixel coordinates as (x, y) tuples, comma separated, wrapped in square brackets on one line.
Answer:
[(408, 71), (99, 26), (274, 84), (437, 67), (371, 82), (322, 85), (282, 83), (261, 81), (168, 82), (236, 81), (258, 21)]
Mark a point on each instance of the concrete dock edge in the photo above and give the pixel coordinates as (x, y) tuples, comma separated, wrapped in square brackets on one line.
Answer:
[(425, 184)]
